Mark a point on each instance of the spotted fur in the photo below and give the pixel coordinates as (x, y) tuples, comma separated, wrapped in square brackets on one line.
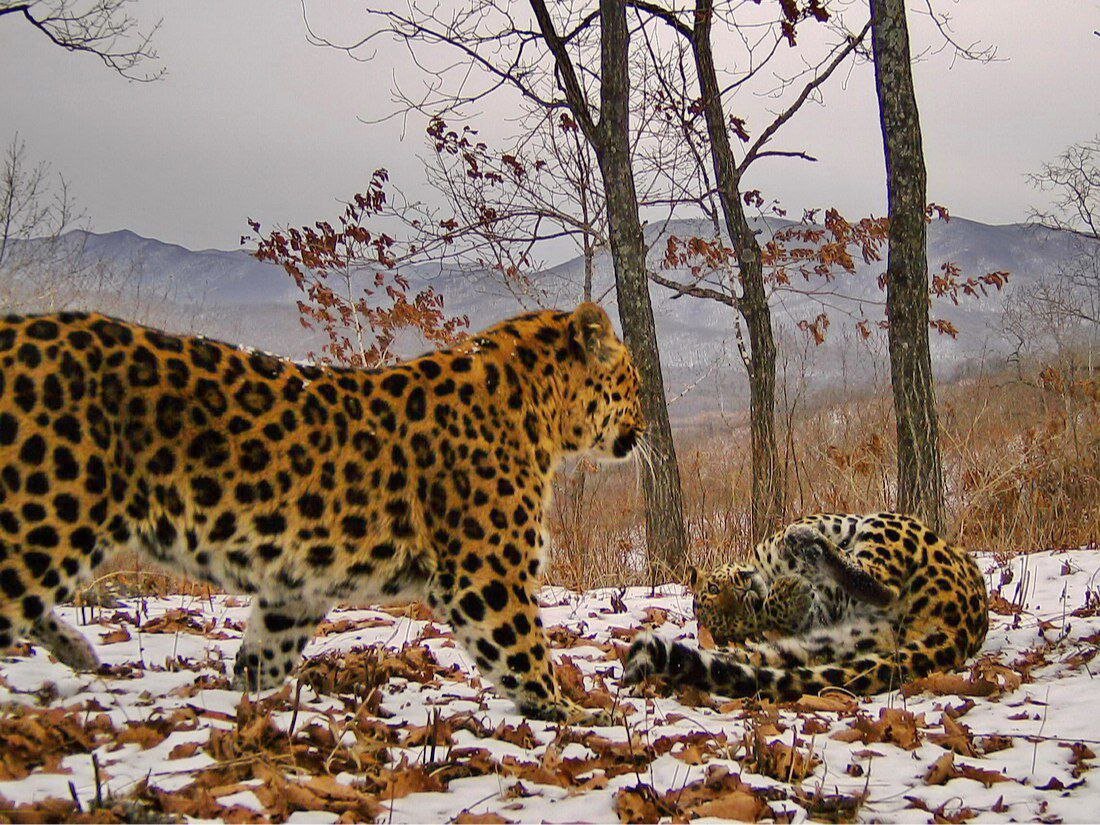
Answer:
[(303, 485), (858, 602)]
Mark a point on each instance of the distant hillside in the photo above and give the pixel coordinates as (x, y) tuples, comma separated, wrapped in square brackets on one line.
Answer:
[(231, 295)]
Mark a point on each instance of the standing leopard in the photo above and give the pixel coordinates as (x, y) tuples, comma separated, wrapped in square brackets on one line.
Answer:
[(857, 602), (303, 485)]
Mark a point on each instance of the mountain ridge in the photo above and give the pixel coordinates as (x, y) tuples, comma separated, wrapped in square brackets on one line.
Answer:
[(230, 295)]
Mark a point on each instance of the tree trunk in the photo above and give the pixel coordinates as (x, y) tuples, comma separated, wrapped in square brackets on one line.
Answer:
[(666, 540), (767, 477), (920, 477)]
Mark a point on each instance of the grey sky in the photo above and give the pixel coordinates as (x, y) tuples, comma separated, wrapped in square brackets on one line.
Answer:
[(252, 121)]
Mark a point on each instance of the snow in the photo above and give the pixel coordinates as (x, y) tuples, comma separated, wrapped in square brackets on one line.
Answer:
[(1022, 738)]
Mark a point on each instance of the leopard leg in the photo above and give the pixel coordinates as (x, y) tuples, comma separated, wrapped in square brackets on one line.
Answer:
[(278, 629), (32, 582), (858, 575), (493, 612), (64, 641), (788, 607)]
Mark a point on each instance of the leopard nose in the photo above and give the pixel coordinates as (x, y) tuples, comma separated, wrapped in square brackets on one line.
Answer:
[(626, 442)]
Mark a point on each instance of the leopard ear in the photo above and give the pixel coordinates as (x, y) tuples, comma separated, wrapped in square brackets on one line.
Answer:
[(591, 331), (693, 576)]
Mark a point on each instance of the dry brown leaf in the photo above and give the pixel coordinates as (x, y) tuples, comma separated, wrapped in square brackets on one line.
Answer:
[(571, 682), (329, 788), (144, 735), (490, 818), (418, 611), (120, 634), (986, 777), (829, 703), (955, 737), (1001, 606), (993, 743), (951, 811), (184, 750), (1080, 753), (520, 735), (894, 725), (691, 754), (407, 779), (737, 806), (329, 628), (778, 759), (706, 639), (1006, 679), (945, 684), (942, 770), (638, 804)]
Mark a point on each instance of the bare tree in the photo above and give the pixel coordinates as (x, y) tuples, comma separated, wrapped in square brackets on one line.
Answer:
[(920, 474), (607, 129), (1061, 310), (503, 206), (751, 297), (1074, 179), (103, 28), (41, 258)]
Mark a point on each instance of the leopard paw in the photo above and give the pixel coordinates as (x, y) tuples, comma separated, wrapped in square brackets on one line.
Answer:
[(78, 654), (567, 712), (805, 542), (789, 604)]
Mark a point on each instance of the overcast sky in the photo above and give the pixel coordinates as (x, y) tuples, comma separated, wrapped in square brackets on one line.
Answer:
[(253, 121)]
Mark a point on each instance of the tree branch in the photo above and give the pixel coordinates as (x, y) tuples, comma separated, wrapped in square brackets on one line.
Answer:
[(95, 30), (570, 84), (693, 290), (769, 132)]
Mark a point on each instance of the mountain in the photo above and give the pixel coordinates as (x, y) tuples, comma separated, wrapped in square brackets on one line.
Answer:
[(232, 296)]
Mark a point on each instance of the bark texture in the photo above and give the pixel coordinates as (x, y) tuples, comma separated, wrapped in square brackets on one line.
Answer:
[(665, 536), (767, 474), (920, 476)]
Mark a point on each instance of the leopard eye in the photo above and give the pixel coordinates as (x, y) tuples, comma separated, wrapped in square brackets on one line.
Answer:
[(714, 588)]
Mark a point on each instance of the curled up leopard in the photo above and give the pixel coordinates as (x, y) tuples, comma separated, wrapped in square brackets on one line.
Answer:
[(849, 601)]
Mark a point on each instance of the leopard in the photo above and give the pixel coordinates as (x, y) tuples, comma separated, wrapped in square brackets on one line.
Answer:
[(305, 485), (862, 603)]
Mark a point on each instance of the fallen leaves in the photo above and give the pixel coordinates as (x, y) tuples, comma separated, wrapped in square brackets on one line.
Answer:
[(955, 737), (640, 804), (395, 717), (721, 794), (894, 725), (944, 769), (330, 628), (115, 636), (571, 682), (1080, 753), (182, 620), (787, 763), (38, 739)]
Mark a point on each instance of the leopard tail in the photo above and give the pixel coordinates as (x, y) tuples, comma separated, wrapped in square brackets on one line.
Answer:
[(728, 674)]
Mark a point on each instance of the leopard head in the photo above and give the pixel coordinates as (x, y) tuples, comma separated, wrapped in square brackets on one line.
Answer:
[(603, 413), (727, 601)]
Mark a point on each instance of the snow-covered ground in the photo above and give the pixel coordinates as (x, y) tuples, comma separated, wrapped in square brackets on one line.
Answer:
[(389, 720)]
